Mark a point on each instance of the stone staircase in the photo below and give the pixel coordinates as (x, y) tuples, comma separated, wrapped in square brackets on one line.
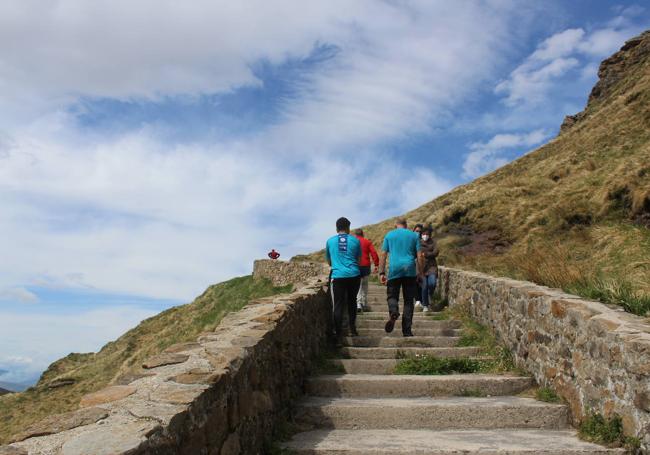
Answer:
[(367, 410)]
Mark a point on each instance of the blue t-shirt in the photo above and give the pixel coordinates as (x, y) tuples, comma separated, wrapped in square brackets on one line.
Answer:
[(402, 245), (343, 251)]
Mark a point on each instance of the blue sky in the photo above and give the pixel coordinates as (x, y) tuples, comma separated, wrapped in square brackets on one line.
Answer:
[(149, 149)]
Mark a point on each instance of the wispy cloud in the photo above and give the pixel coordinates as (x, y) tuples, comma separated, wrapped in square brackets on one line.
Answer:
[(487, 156)]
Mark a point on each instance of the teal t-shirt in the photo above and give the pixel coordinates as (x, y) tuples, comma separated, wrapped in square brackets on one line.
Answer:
[(402, 246), (343, 251)]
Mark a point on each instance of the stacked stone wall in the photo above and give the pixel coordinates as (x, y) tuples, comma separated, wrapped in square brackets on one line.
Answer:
[(222, 394), (282, 273), (595, 356)]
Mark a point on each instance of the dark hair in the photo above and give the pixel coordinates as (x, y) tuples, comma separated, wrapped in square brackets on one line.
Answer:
[(419, 225), (401, 221), (428, 230), (342, 224), (359, 232)]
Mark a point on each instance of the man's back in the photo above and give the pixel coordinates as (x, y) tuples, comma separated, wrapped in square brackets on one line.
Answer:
[(343, 250), (402, 245)]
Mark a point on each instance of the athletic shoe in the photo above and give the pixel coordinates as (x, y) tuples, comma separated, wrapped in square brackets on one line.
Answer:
[(359, 309), (353, 332), (418, 306), (408, 334), (426, 309), (390, 324)]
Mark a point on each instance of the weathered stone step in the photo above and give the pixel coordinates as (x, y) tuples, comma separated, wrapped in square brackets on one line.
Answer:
[(404, 386), (429, 442), (394, 353), (372, 366), (383, 315), (428, 413), (421, 332), (415, 341), (417, 324)]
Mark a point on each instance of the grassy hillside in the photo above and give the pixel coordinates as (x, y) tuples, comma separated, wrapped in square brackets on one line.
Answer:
[(85, 373), (574, 213)]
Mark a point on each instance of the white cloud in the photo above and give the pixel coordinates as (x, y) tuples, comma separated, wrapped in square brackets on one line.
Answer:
[(18, 294), (487, 156), (549, 66)]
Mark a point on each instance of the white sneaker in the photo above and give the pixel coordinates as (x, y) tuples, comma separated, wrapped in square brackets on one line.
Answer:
[(418, 305), (426, 309)]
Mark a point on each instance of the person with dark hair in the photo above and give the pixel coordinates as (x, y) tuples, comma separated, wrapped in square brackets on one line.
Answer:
[(418, 304), (273, 254), (403, 246), (430, 270), (342, 252), (368, 252)]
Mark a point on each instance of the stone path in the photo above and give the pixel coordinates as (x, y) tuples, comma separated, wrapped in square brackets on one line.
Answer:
[(368, 410)]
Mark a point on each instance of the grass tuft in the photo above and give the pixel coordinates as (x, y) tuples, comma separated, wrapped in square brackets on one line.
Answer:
[(547, 395), (601, 430), (430, 365)]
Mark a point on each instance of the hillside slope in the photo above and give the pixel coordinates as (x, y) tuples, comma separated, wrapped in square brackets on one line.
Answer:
[(574, 213), (64, 383)]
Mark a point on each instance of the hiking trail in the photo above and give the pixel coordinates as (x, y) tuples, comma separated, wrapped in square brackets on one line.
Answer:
[(369, 410)]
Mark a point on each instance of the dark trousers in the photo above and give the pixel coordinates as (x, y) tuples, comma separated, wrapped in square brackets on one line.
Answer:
[(409, 286), (344, 295)]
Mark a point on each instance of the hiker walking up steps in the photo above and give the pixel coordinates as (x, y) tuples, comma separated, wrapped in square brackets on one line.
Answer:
[(368, 252), (342, 252), (430, 269), (403, 246)]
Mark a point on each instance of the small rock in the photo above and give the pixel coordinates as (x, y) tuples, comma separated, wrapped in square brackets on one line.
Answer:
[(164, 359), (196, 376), (106, 395), (60, 383), (62, 422)]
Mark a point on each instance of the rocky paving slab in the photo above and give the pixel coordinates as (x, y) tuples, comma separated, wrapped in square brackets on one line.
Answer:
[(62, 422), (164, 359), (110, 439), (394, 353), (434, 414), (417, 324), (415, 341), (403, 386), (435, 332), (106, 395), (428, 442)]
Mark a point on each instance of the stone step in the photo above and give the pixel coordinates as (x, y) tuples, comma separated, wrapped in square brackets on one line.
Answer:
[(415, 341), (394, 353), (373, 366), (429, 442), (421, 332), (383, 315), (405, 386), (417, 324), (433, 414)]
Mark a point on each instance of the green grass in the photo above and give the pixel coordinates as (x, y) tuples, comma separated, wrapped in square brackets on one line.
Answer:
[(429, 365), (93, 371), (606, 431), (547, 395), (618, 292)]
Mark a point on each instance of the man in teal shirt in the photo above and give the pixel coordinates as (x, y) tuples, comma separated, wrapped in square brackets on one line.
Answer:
[(405, 267), (342, 252)]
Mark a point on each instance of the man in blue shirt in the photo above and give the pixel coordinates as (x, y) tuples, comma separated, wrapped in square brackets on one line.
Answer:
[(342, 252), (405, 265)]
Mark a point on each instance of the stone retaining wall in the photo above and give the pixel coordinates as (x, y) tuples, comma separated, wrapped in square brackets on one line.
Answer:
[(282, 273), (596, 356), (220, 395)]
